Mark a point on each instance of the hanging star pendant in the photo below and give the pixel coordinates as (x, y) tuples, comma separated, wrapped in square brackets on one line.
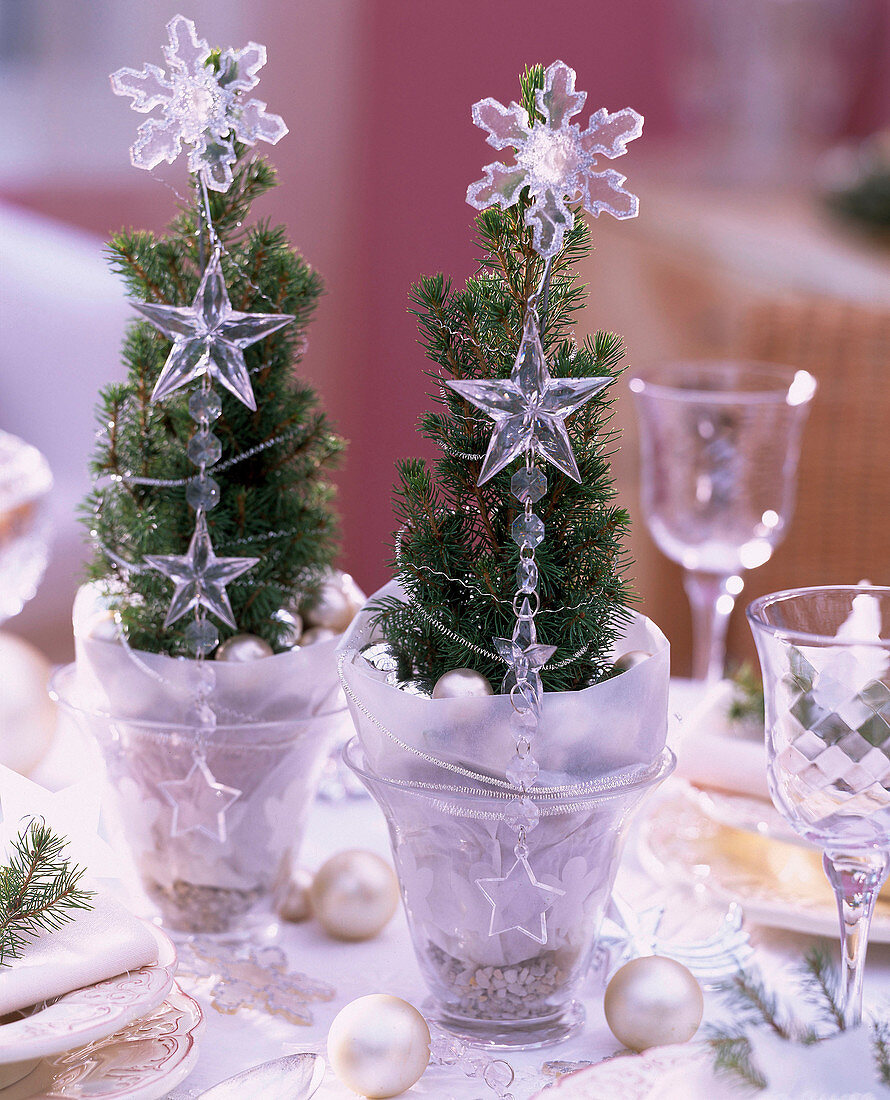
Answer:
[(198, 800), (209, 337), (529, 408), (200, 576), (519, 902)]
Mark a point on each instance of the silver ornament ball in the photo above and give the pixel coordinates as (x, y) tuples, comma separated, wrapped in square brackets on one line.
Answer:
[(354, 895), (653, 1001), (316, 634), (335, 605), (290, 627), (243, 647), (461, 683), (379, 1046), (630, 660), (296, 904)]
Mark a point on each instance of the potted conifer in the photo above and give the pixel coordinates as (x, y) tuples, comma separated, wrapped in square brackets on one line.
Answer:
[(510, 707), (205, 639)]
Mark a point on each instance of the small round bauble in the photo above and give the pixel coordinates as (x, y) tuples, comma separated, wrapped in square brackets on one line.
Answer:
[(333, 607), (103, 627), (630, 660), (296, 904), (316, 634), (354, 894), (290, 627), (379, 1046), (461, 683), (653, 1001), (243, 647)]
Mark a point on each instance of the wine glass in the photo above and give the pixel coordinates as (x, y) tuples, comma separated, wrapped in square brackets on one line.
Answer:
[(719, 445), (825, 655)]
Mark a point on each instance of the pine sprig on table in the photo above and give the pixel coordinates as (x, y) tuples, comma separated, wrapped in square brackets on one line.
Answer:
[(39, 889), (754, 1005), (455, 556)]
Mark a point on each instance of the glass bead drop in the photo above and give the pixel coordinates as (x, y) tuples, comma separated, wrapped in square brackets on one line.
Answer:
[(202, 492), (527, 531), (204, 448), (205, 406), (521, 813), (522, 771), (202, 636), (527, 575), (528, 485)]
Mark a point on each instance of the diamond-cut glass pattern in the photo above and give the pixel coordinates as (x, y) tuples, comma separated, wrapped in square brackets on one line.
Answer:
[(830, 744)]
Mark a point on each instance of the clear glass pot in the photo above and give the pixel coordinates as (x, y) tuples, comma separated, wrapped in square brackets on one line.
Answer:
[(504, 990)]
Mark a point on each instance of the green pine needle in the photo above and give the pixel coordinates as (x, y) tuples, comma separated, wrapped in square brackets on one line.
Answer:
[(39, 889), (458, 561)]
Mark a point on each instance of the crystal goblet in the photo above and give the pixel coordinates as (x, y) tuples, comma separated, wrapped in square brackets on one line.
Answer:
[(719, 446), (825, 655)]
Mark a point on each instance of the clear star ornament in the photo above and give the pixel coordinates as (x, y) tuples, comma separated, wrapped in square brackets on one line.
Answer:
[(200, 577), (519, 901), (529, 408), (203, 102), (209, 337), (555, 159), (199, 802)]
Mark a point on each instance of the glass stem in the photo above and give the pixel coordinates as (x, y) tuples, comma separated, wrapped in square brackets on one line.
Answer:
[(711, 604), (856, 880)]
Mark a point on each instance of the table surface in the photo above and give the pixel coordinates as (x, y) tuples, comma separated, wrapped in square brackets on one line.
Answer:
[(386, 964)]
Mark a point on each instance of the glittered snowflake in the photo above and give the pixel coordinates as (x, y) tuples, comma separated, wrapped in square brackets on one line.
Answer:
[(555, 158), (203, 105)]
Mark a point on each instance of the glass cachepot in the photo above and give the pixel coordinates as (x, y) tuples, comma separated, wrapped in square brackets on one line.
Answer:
[(212, 847), (505, 990)]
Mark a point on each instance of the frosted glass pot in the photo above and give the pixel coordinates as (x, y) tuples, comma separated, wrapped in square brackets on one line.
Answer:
[(719, 446), (505, 990), (825, 655), (200, 881)]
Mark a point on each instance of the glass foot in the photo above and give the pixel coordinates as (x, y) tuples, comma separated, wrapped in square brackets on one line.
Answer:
[(509, 1034)]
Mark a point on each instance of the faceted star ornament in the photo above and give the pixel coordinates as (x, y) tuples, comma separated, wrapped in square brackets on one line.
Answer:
[(555, 159), (529, 408), (209, 337), (200, 576), (519, 902), (202, 104), (199, 802), (522, 652)]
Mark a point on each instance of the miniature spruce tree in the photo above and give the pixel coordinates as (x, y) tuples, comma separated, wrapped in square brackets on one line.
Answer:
[(454, 553), (226, 302)]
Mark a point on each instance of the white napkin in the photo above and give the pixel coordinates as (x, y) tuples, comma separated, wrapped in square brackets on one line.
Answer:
[(98, 943), (713, 751)]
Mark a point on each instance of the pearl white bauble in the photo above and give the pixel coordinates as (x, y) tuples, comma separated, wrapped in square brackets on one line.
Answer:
[(629, 660), (461, 683), (317, 634), (243, 647), (27, 714), (653, 1001), (290, 627), (354, 894), (103, 627), (296, 904), (333, 608), (379, 1046)]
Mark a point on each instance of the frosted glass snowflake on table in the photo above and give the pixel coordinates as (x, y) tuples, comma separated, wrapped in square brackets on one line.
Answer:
[(555, 159), (202, 105)]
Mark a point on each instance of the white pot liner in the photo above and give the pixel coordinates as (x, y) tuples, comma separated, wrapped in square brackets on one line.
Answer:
[(617, 725)]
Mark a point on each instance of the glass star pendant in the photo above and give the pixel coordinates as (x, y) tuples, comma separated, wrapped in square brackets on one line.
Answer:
[(519, 902), (529, 408), (209, 337), (199, 802), (200, 576)]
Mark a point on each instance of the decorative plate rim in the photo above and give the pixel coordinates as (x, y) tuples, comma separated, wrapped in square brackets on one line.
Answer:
[(92, 1012)]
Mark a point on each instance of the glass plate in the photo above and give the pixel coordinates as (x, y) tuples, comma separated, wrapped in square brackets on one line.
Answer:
[(92, 1013), (142, 1061), (778, 883)]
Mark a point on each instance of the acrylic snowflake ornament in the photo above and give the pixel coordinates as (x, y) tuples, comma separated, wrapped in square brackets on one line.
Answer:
[(203, 105), (555, 159)]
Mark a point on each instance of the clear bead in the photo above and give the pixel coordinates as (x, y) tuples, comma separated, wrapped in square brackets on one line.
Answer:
[(201, 677), (521, 813), (202, 492), (202, 636), (522, 771), (204, 449), (527, 575), (446, 1050), (527, 531), (528, 486), (205, 406), (202, 715)]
